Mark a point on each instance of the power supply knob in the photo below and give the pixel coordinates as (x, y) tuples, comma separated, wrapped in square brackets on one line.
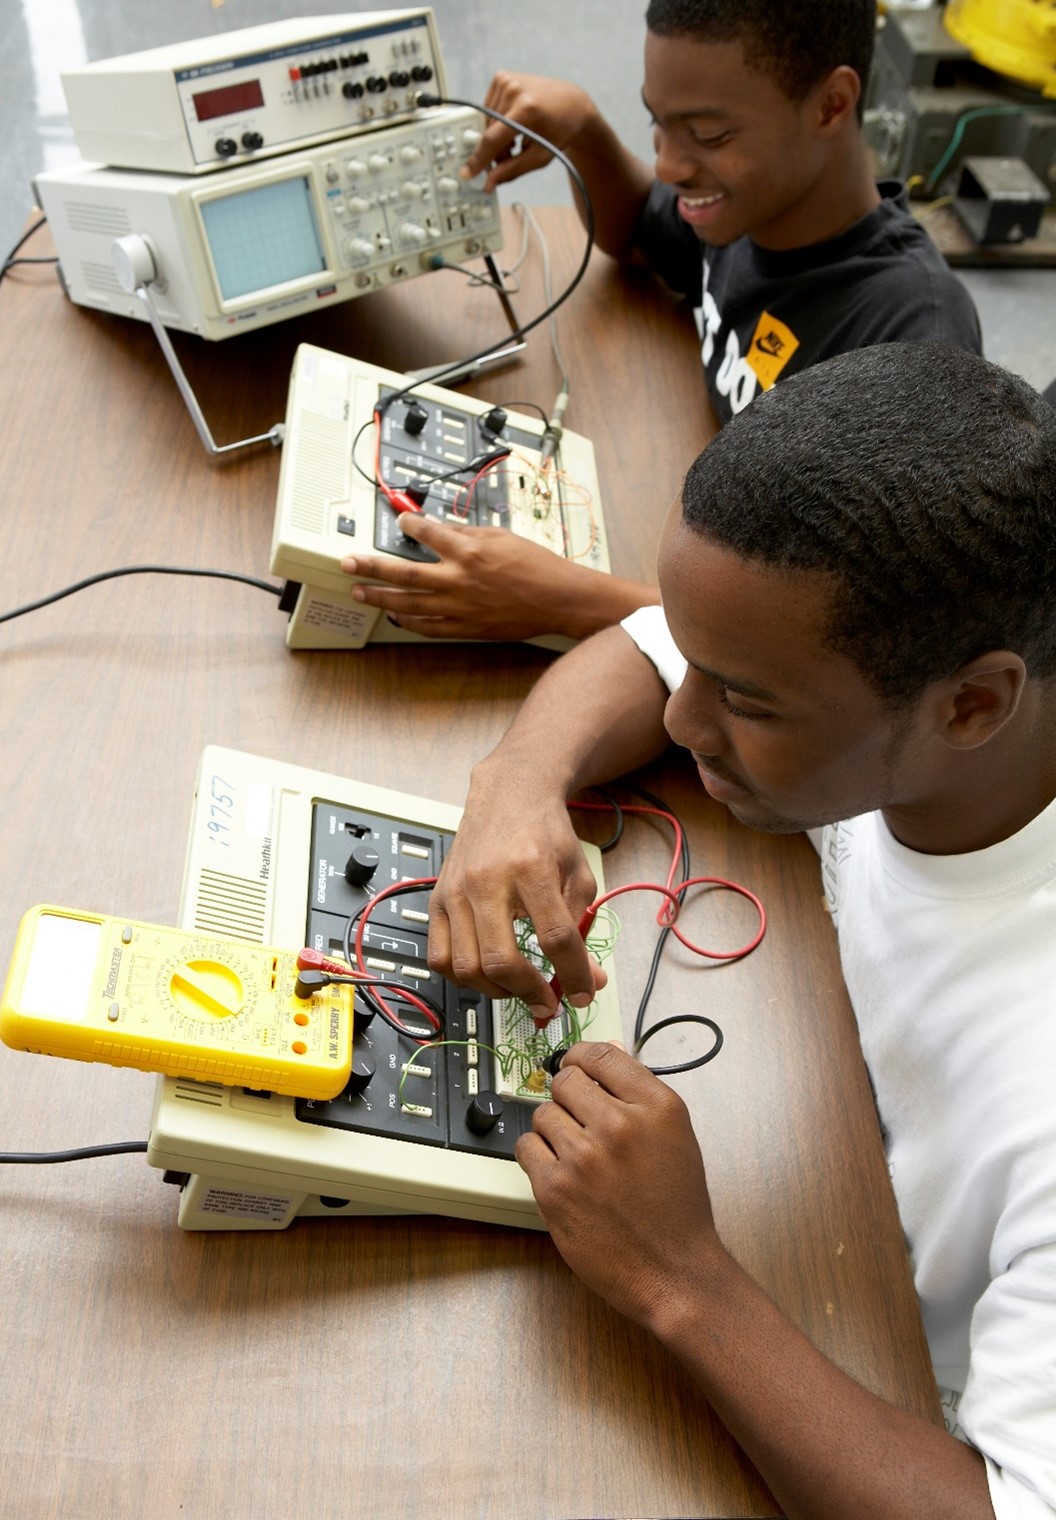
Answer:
[(361, 865), (225, 147), (363, 1069), (484, 1113), (352, 90), (251, 141)]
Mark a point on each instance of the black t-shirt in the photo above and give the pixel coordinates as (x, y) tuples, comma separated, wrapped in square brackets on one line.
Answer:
[(763, 315)]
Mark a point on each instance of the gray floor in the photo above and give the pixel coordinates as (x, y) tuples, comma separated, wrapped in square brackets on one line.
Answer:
[(594, 42)]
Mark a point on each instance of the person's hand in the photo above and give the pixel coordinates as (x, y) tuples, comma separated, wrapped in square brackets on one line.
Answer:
[(619, 1179), (490, 584), (514, 856), (554, 109)]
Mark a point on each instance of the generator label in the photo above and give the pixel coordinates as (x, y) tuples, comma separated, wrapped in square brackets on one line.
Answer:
[(273, 1207)]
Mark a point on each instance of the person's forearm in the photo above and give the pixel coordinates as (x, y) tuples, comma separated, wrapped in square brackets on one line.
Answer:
[(827, 1448), (596, 713), (618, 183), (585, 601)]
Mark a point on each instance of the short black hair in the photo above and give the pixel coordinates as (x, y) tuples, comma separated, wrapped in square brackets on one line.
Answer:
[(795, 42), (922, 480)]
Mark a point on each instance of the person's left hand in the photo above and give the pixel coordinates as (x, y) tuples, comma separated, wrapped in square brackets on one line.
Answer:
[(619, 1180), (489, 584)]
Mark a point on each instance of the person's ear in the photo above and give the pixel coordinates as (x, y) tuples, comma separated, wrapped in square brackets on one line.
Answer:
[(837, 100), (978, 700)]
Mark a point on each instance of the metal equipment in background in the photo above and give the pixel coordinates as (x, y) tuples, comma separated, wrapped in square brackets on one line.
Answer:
[(961, 103)]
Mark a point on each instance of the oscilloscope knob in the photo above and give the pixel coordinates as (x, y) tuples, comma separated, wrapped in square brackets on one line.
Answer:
[(378, 162), (364, 1068), (484, 1113), (359, 248), (361, 865), (410, 232)]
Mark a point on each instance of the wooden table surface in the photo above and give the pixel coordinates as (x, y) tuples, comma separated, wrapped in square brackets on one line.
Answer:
[(394, 1368)]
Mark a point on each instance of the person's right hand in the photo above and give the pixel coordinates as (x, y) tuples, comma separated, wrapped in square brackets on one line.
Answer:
[(514, 856), (553, 108)]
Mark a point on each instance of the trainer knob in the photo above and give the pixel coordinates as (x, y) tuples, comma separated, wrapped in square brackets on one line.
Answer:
[(363, 1069), (361, 865), (484, 1113)]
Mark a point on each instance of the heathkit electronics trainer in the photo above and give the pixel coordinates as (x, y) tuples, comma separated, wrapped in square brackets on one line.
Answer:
[(358, 437), (426, 1125)]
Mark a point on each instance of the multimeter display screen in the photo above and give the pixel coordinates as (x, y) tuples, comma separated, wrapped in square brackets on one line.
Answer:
[(61, 968), (263, 237)]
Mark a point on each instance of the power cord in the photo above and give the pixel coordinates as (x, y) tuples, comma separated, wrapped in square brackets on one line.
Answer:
[(109, 575), (11, 260), (84, 1153)]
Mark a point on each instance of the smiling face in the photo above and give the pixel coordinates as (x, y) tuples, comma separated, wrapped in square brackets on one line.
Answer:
[(784, 731), (744, 158)]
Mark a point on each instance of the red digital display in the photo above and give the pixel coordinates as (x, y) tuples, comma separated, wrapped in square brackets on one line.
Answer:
[(226, 101)]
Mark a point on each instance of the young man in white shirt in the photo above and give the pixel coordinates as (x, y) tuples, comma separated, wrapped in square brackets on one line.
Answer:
[(858, 637)]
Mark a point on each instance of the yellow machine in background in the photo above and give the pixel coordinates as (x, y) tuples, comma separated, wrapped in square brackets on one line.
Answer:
[(1015, 37)]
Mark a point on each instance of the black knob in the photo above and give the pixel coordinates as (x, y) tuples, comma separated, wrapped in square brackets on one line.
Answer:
[(225, 147), (398, 78), (375, 84), (251, 141), (484, 1113), (361, 1015), (415, 419), (361, 865), (352, 90), (363, 1069), (421, 73)]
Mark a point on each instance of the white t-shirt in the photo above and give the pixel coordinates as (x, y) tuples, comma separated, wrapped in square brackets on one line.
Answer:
[(950, 963)]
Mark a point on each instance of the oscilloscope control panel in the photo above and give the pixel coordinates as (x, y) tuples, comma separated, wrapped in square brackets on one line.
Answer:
[(206, 104)]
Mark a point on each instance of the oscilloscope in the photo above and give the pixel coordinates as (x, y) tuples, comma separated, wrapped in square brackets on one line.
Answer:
[(276, 238), (328, 508), (279, 854)]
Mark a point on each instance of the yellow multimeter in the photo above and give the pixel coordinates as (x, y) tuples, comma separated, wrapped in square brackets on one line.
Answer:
[(95, 988)]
